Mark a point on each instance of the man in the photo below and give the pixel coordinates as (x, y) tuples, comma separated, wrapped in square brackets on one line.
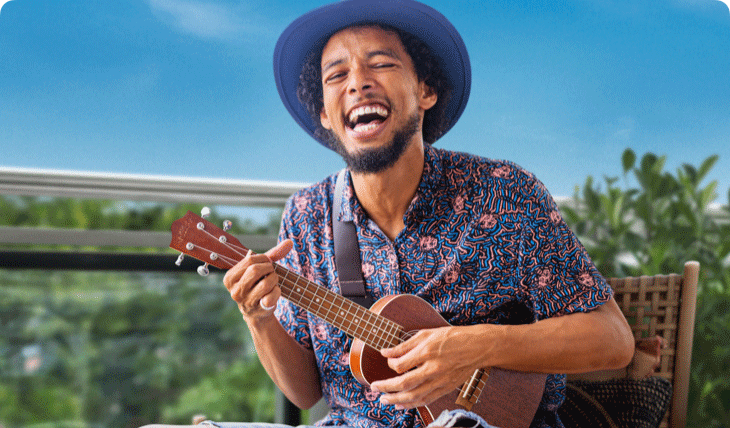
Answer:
[(480, 240)]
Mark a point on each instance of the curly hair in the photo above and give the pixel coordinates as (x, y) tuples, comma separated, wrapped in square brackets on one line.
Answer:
[(435, 121)]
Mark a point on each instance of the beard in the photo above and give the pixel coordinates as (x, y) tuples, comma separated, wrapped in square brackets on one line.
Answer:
[(378, 159)]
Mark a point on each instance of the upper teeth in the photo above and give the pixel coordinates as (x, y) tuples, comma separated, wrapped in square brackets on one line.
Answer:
[(361, 111)]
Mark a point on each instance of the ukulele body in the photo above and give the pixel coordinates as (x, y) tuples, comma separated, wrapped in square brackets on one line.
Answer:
[(509, 398)]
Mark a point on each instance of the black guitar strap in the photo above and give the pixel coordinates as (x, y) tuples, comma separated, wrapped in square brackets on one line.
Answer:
[(347, 251)]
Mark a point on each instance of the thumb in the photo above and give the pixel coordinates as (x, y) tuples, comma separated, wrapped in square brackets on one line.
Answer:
[(282, 249)]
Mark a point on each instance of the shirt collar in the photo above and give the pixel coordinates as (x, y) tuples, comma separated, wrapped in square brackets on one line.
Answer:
[(350, 204)]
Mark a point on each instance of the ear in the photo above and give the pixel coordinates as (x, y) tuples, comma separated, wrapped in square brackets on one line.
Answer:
[(427, 97), (324, 119)]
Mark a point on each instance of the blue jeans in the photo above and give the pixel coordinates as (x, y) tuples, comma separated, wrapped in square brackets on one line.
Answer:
[(452, 419)]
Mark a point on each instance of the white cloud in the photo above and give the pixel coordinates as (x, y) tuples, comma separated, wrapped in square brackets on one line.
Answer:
[(2, 3), (622, 129), (202, 19), (694, 3)]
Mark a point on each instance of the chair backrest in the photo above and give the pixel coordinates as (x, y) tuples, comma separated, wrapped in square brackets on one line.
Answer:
[(664, 305)]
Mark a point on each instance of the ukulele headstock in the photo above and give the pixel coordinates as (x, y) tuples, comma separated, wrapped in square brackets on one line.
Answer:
[(197, 237)]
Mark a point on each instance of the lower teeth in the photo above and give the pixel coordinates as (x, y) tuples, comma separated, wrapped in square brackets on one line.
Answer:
[(365, 127)]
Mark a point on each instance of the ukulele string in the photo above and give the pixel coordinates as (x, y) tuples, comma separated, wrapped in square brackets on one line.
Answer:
[(223, 240), (371, 324), (389, 337), (479, 377)]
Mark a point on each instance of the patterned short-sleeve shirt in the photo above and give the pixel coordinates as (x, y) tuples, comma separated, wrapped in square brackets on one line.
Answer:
[(483, 243)]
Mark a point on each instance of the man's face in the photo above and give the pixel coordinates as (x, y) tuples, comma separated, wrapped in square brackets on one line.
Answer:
[(373, 101)]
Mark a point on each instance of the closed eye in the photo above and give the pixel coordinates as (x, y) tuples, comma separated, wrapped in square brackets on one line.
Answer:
[(334, 77)]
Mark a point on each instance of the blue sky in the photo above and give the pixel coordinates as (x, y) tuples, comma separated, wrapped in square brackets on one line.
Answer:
[(185, 87)]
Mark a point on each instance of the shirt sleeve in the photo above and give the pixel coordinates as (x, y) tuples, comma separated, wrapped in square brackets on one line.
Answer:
[(555, 268)]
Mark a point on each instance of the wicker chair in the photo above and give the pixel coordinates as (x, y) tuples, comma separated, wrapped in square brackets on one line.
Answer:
[(664, 305)]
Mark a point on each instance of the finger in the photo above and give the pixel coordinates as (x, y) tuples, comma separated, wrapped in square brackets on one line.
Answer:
[(405, 359), (256, 282), (280, 251), (407, 346), (271, 308), (415, 389), (421, 396), (400, 349), (403, 382), (269, 301), (234, 274)]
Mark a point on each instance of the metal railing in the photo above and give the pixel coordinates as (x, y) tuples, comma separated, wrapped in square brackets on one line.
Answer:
[(127, 187)]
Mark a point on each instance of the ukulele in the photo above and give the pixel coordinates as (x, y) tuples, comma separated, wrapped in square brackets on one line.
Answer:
[(504, 398)]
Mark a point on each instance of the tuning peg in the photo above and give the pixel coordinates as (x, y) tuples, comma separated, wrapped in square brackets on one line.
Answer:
[(227, 225), (205, 212), (203, 270), (180, 259)]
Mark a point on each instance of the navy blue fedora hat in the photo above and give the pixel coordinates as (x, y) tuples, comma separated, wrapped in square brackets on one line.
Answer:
[(312, 30)]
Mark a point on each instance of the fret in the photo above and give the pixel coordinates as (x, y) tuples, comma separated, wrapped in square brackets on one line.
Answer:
[(343, 312), (380, 337), (384, 340), (357, 328), (368, 329), (339, 314), (368, 333), (373, 329), (324, 306), (289, 289), (355, 320), (306, 295), (395, 333), (387, 334)]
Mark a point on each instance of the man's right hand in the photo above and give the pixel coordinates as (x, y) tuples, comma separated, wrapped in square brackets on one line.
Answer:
[(253, 284)]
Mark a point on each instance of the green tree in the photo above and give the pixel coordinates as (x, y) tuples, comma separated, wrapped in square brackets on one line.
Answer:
[(117, 348), (653, 227)]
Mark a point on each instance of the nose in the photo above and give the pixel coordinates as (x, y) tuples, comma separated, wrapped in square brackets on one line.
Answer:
[(360, 80)]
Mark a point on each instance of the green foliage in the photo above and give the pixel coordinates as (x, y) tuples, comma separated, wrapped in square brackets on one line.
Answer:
[(96, 349), (652, 225), (114, 349), (92, 214), (243, 392)]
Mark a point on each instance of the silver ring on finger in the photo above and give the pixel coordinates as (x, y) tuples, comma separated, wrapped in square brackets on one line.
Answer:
[(266, 308)]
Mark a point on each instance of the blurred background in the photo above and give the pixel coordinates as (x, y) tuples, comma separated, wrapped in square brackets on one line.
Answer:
[(118, 117)]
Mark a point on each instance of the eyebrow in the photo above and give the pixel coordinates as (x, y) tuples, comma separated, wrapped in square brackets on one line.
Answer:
[(386, 52)]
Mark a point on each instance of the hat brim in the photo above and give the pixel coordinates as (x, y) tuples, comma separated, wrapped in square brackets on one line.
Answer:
[(312, 30)]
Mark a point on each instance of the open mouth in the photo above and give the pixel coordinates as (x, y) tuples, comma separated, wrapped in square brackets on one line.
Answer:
[(367, 118)]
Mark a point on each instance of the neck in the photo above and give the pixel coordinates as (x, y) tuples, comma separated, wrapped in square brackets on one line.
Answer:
[(386, 195)]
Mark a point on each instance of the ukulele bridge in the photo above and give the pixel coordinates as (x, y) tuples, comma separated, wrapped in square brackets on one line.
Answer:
[(470, 391)]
